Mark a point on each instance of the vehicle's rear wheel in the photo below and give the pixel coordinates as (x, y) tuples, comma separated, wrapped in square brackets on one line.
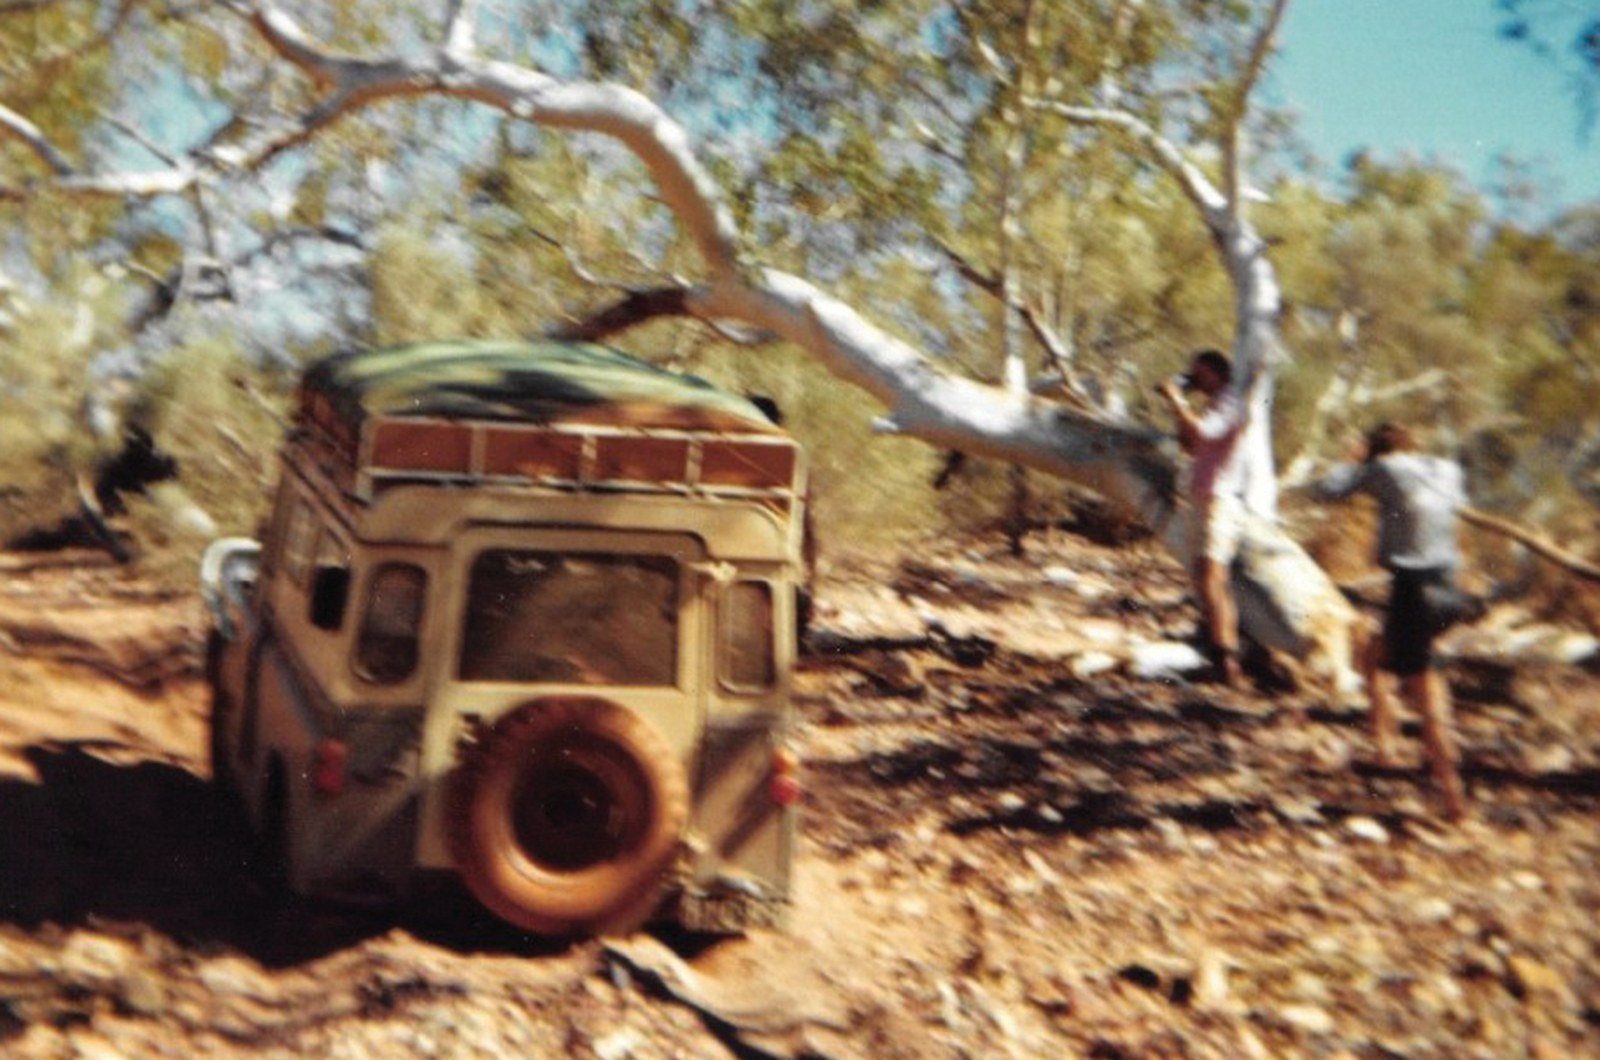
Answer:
[(567, 815)]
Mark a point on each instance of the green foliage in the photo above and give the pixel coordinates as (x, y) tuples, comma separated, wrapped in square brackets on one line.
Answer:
[(868, 490), (422, 291), (222, 418), (52, 65), (46, 442)]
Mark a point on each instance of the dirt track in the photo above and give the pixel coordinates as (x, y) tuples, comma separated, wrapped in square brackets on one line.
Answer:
[(1001, 859)]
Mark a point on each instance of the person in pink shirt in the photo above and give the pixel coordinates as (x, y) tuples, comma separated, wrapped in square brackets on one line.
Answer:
[(1226, 483)]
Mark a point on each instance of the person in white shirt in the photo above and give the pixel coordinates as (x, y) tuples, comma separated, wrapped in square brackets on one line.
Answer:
[(1229, 477), (1419, 498)]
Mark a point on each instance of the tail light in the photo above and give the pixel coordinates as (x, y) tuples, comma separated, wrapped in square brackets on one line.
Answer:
[(784, 785), (327, 766)]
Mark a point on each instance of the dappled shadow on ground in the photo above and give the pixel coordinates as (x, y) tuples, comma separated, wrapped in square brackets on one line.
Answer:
[(1038, 753), (93, 842)]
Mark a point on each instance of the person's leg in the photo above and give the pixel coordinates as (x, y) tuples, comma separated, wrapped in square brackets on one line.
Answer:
[(1369, 660), (1408, 637), (1221, 618), (1428, 694), (1220, 528)]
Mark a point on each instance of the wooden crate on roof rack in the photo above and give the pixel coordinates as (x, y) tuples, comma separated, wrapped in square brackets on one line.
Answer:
[(576, 456)]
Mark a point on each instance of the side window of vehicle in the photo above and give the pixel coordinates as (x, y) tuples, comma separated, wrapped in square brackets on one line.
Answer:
[(330, 583), (749, 663), (387, 647)]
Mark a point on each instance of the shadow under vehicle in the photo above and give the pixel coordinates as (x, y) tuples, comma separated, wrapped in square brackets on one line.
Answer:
[(523, 617)]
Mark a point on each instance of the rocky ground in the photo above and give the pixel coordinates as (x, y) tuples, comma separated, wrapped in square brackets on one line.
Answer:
[(1026, 836)]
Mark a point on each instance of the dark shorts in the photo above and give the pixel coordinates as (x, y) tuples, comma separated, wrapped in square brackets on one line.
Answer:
[(1421, 606)]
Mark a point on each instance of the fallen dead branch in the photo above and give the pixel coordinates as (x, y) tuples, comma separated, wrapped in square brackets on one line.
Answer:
[(1540, 546)]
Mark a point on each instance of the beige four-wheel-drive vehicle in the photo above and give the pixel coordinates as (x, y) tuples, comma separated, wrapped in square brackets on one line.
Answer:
[(524, 615)]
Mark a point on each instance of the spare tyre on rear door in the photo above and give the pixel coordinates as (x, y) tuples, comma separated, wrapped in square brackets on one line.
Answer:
[(567, 815)]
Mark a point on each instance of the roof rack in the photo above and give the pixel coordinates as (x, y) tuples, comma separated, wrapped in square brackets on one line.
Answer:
[(566, 416), (402, 450)]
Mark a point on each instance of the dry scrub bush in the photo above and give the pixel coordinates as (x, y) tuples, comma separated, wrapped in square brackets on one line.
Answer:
[(46, 440), (222, 419)]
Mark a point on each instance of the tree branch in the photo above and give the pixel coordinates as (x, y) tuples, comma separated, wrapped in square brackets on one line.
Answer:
[(621, 113), (67, 177), (461, 24), (284, 36), (1540, 546), (1345, 396), (35, 140), (325, 232), (634, 309), (1238, 105), (1055, 349), (141, 139), (1123, 18), (1211, 202)]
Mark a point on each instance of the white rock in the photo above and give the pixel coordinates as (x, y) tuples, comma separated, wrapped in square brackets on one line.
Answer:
[(1309, 1018), (1250, 1046), (234, 977), (1100, 631), (617, 1046), (1164, 659), (1092, 591), (1556, 758), (1041, 868), (1061, 577), (1171, 833), (1573, 648), (1090, 663), (92, 1049), (1308, 987), (1297, 809), (913, 908), (949, 1005), (1023, 885), (1434, 911), (1368, 829), (1211, 992), (88, 957)]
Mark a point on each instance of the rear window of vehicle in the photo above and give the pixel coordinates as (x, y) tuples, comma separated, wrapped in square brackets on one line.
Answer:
[(586, 618), (748, 662), (387, 648)]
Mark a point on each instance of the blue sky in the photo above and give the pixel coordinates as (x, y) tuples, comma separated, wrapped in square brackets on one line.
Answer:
[(1431, 78)]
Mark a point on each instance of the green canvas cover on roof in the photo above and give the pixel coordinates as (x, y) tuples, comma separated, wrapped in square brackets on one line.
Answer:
[(539, 381)]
